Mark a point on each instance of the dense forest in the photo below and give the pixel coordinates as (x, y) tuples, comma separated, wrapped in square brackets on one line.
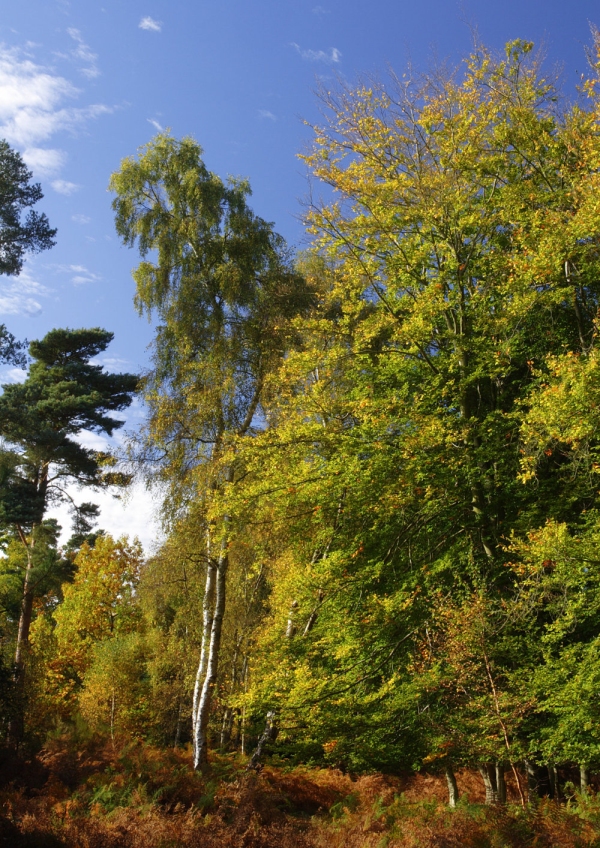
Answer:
[(377, 462)]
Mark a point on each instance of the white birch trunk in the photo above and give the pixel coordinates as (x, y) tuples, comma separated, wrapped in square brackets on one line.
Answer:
[(202, 712), (207, 622)]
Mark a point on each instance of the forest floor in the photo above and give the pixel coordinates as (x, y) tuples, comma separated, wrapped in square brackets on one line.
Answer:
[(136, 796)]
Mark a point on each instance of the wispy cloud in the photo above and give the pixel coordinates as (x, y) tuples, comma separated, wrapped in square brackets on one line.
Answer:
[(79, 274), (32, 110), (264, 113), (112, 362), (21, 296), (83, 53), (13, 375), (80, 219), (44, 161), (150, 24), (64, 186), (320, 10), (155, 124), (330, 57)]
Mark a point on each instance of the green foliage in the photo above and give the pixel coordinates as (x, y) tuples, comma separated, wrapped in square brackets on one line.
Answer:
[(384, 455), (222, 284), (442, 400), (64, 393), (18, 194)]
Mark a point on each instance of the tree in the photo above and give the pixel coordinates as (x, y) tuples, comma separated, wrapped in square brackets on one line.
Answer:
[(223, 286), (99, 607), (18, 237), (17, 194), (64, 394), (460, 252)]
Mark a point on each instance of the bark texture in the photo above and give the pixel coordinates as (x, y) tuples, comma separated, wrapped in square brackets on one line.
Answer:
[(488, 775), (452, 786), (209, 659)]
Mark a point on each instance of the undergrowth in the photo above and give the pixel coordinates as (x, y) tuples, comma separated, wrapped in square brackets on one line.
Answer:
[(132, 795)]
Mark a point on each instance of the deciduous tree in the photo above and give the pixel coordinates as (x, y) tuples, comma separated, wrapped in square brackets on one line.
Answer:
[(223, 286)]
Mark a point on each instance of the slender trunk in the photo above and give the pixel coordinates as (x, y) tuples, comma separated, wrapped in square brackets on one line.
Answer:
[(554, 783), (452, 786), (488, 774), (229, 714), (212, 659), (531, 781), (584, 779), (290, 630), (478, 503), (314, 614), (243, 713), (24, 623), (494, 692), (178, 725), (269, 735), (112, 717), (207, 622), (26, 605), (16, 725), (500, 783), (226, 727)]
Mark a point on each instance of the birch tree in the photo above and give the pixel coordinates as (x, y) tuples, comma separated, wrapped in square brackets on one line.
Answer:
[(222, 285)]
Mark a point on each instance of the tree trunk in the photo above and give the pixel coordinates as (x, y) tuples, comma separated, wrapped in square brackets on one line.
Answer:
[(269, 735), (226, 727), (242, 715), (212, 659), (15, 726), (584, 779), (488, 774), (452, 786), (177, 739), (207, 622), (290, 630), (554, 782), (500, 783)]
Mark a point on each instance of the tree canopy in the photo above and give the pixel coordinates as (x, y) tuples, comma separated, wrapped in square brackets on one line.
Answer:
[(379, 458), (19, 236)]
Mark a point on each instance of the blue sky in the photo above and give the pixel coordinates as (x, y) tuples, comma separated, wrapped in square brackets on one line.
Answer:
[(83, 84)]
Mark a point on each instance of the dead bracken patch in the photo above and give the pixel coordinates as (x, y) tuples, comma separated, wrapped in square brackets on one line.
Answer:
[(132, 795)]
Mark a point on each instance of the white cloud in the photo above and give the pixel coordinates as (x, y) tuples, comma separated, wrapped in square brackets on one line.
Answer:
[(44, 161), (155, 124), (64, 186), (32, 110), (13, 375), (83, 53), (320, 10), (110, 361), (80, 279), (133, 514), (330, 58), (80, 219), (80, 273), (264, 113), (20, 295), (150, 24)]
